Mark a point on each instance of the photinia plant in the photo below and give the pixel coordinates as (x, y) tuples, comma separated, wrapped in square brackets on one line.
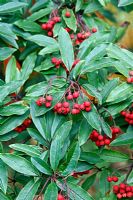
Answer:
[(66, 101)]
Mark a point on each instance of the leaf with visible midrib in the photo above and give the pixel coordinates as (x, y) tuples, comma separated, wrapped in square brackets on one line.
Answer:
[(66, 48)]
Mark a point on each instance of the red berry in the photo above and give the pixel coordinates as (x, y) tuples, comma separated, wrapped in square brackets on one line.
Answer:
[(66, 104), (109, 179), (75, 95), (48, 104), (82, 107), (94, 30), (100, 137), (77, 42), (119, 196), (67, 14), (49, 26), (102, 143), (67, 29), (129, 194), (69, 97), (44, 26), (115, 178), (76, 105), (49, 98), (61, 197), (79, 35), (54, 60), (122, 186), (58, 105), (95, 134), (116, 188), (129, 80), (87, 103), (123, 113), (128, 189), (74, 111), (107, 141), (88, 109), (50, 33)]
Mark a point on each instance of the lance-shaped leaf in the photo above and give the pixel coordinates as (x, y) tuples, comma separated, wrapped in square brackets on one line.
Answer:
[(3, 176), (11, 7), (51, 192), (66, 48), (71, 21), (19, 164), (29, 190), (5, 52)]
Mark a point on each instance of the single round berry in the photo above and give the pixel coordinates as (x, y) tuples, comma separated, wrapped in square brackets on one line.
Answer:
[(67, 14), (66, 104), (75, 95), (94, 30), (88, 109), (69, 97), (100, 137), (49, 98), (76, 105), (61, 197), (115, 178), (58, 105), (109, 179), (48, 104), (87, 103), (82, 106), (107, 141), (44, 26), (50, 33)]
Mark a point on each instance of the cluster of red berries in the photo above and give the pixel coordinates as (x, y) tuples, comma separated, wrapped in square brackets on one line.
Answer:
[(101, 140), (84, 35), (60, 197), (57, 62), (50, 25), (47, 101), (123, 191), (128, 115), (64, 108), (23, 126), (112, 179), (76, 174), (130, 79)]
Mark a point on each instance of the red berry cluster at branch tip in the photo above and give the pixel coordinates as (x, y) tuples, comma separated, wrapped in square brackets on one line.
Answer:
[(130, 79), (67, 14), (47, 101), (112, 179), (101, 140), (128, 116), (81, 37), (123, 191), (60, 197), (76, 174), (50, 25), (23, 126)]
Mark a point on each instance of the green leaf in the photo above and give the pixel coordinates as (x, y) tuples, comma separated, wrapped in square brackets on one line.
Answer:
[(102, 2), (71, 22), (51, 192), (11, 7), (28, 25), (113, 156), (3, 176), (43, 40), (41, 165), (93, 119), (92, 7), (39, 14), (29, 190), (17, 108), (3, 196), (106, 128), (12, 122), (28, 66), (93, 92), (78, 193), (65, 43), (30, 150), (108, 87), (130, 178), (9, 88), (39, 122), (72, 159), (124, 139), (98, 52), (121, 92), (19, 164), (125, 2), (57, 144), (5, 52), (12, 72), (104, 185), (36, 136), (90, 157), (89, 182), (85, 130)]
